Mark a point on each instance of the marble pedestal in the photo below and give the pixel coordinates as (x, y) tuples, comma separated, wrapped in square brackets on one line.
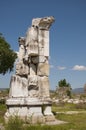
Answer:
[(31, 110)]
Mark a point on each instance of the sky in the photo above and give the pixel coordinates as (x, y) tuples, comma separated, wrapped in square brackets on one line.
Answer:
[(67, 35)]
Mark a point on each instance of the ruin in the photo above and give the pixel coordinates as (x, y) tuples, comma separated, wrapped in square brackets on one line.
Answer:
[(29, 96)]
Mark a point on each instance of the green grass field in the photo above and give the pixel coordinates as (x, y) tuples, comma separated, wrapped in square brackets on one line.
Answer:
[(74, 121)]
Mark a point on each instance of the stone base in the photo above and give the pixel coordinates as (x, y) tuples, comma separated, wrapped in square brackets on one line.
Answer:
[(36, 119), (49, 118), (31, 110)]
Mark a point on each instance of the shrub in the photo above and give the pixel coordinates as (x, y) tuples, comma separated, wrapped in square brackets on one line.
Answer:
[(14, 123)]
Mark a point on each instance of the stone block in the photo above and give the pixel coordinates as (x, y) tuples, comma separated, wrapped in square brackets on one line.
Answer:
[(41, 51), (35, 110), (32, 48), (18, 87), (33, 69), (50, 118), (35, 22), (43, 84), (48, 110), (19, 111), (32, 80), (43, 69), (42, 59), (17, 101), (43, 39), (21, 52), (35, 59), (31, 35), (35, 115), (22, 69), (31, 41), (39, 59), (33, 92), (43, 23), (33, 86), (46, 43), (46, 22), (41, 36)]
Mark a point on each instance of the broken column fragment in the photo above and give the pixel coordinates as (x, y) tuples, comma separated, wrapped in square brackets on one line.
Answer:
[(32, 41), (29, 87)]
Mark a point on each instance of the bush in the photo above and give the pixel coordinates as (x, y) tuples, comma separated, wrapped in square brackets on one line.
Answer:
[(2, 101), (14, 123)]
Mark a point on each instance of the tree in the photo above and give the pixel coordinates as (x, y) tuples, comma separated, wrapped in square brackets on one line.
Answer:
[(7, 56), (63, 83), (64, 88)]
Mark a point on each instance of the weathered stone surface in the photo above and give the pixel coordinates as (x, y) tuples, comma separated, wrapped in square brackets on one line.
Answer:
[(22, 69), (50, 118), (48, 110), (46, 43), (41, 51), (43, 39), (21, 52), (33, 69), (21, 48), (33, 86), (43, 69), (46, 22), (32, 35), (35, 59), (21, 41), (43, 23), (41, 36), (18, 111), (29, 88), (35, 111), (33, 92), (42, 59), (35, 22), (39, 59), (31, 41), (43, 84), (32, 80), (36, 119), (32, 48), (18, 87)]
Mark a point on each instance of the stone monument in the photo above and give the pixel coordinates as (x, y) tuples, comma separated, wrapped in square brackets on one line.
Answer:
[(29, 88)]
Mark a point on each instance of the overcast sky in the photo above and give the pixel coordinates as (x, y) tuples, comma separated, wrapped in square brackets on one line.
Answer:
[(67, 35)]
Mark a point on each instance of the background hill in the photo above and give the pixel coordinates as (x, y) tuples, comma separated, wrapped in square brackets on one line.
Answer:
[(78, 90)]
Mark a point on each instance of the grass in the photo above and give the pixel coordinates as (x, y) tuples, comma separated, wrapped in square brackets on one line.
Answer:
[(14, 123), (2, 112), (47, 128), (62, 107), (74, 121)]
